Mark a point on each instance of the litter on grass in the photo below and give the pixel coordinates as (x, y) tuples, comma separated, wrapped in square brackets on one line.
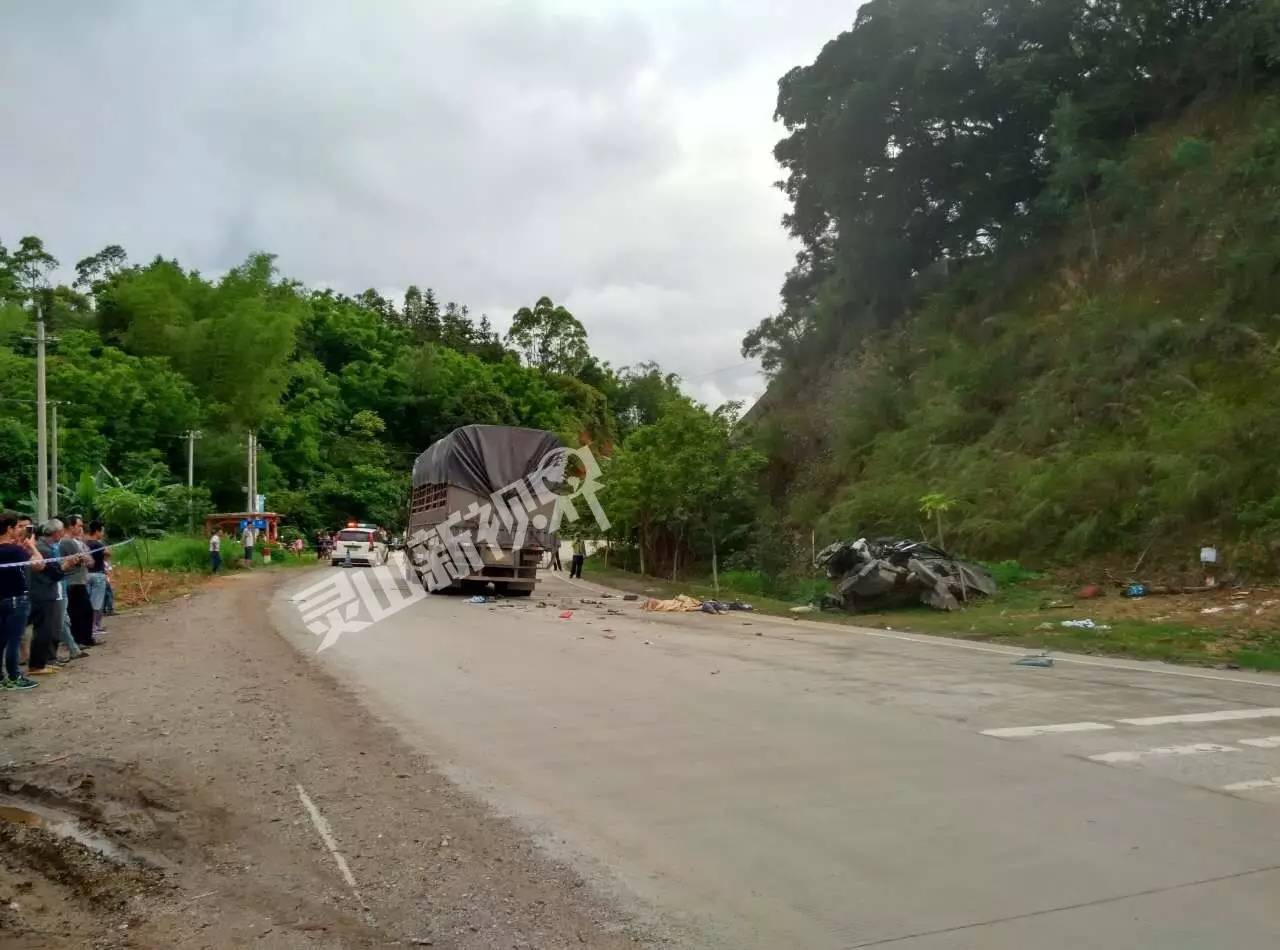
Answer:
[(1239, 605)]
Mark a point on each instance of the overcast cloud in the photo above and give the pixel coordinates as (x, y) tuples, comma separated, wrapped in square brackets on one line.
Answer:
[(613, 155)]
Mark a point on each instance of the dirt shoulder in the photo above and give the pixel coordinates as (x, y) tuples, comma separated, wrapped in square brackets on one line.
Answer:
[(186, 745)]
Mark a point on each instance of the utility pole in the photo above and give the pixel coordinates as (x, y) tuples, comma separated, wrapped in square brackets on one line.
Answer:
[(254, 507), (42, 424), (53, 445), (192, 435), (252, 463), (253, 498)]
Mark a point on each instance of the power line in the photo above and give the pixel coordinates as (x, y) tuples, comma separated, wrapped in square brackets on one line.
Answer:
[(716, 372)]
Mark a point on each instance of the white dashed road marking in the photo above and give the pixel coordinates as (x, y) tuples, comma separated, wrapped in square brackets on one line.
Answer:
[(1226, 715), (1136, 755), (1253, 785), (326, 835), (1018, 732), (1266, 742)]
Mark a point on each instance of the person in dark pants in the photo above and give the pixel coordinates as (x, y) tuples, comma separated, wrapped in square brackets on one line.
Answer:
[(246, 539), (26, 535), (97, 586), (76, 560), (555, 556), (47, 600), (15, 604), (579, 555), (215, 550)]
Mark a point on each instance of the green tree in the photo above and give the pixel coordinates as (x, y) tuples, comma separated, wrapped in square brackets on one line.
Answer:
[(684, 484), (549, 337)]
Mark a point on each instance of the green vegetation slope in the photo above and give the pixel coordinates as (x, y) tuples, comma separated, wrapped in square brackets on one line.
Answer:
[(1083, 360)]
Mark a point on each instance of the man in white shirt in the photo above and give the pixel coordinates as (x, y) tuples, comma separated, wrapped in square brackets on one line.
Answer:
[(215, 550), (247, 540)]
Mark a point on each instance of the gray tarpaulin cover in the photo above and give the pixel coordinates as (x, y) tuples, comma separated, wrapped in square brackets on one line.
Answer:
[(483, 459)]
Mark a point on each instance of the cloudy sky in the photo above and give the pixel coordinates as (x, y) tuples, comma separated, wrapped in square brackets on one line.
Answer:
[(614, 155)]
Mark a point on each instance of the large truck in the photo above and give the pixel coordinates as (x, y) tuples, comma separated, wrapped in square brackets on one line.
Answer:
[(468, 484)]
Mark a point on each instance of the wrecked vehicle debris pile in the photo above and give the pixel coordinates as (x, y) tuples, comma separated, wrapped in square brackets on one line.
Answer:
[(890, 572)]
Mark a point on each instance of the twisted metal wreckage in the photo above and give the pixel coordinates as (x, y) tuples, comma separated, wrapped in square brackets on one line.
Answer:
[(889, 572)]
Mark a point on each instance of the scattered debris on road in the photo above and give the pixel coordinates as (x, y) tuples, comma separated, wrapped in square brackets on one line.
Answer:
[(893, 571), (1041, 660), (1086, 624), (683, 603), (566, 614), (679, 603)]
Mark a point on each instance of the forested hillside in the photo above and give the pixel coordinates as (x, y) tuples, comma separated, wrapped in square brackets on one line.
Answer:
[(1040, 279), (343, 392)]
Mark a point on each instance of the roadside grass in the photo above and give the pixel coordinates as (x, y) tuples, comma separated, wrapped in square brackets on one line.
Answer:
[(1018, 616), (176, 565), (188, 553)]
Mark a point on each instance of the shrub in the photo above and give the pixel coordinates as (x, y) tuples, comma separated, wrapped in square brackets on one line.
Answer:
[(180, 553), (1011, 573), (1192, 153)]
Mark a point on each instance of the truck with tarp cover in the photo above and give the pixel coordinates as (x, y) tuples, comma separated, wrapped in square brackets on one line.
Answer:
[(475, 492)]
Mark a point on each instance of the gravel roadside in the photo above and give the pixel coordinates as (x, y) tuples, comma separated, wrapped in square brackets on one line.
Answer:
[(248, 799)]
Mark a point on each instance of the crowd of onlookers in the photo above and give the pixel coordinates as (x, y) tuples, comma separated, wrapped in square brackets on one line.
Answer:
[(55, 581)]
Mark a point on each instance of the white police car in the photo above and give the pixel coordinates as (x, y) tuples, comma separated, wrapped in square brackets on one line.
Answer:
[(359, 544)]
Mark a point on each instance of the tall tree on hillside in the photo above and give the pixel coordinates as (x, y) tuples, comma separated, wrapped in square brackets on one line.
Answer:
[(456, 329), (549, 337), (486, 343), (421, 313), (94, 271), (918, 137), (379, 305), (29, 267)]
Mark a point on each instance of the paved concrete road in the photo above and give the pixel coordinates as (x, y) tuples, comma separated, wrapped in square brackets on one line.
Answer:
[(760, 783)]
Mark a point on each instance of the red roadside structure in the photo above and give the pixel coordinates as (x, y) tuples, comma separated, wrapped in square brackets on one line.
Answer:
[(232, 523)]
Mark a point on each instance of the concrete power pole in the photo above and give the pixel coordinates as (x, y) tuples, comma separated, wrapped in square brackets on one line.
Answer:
[(254, 504), (53, 465), (42, 424), (253, 465), (192, 435)]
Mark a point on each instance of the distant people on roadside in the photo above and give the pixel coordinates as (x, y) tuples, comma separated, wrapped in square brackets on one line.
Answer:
[(100, 554), (48, 603), (579, 556), (246, 540), (109, 601), (215, 550), (75, 550), (16, 550)]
